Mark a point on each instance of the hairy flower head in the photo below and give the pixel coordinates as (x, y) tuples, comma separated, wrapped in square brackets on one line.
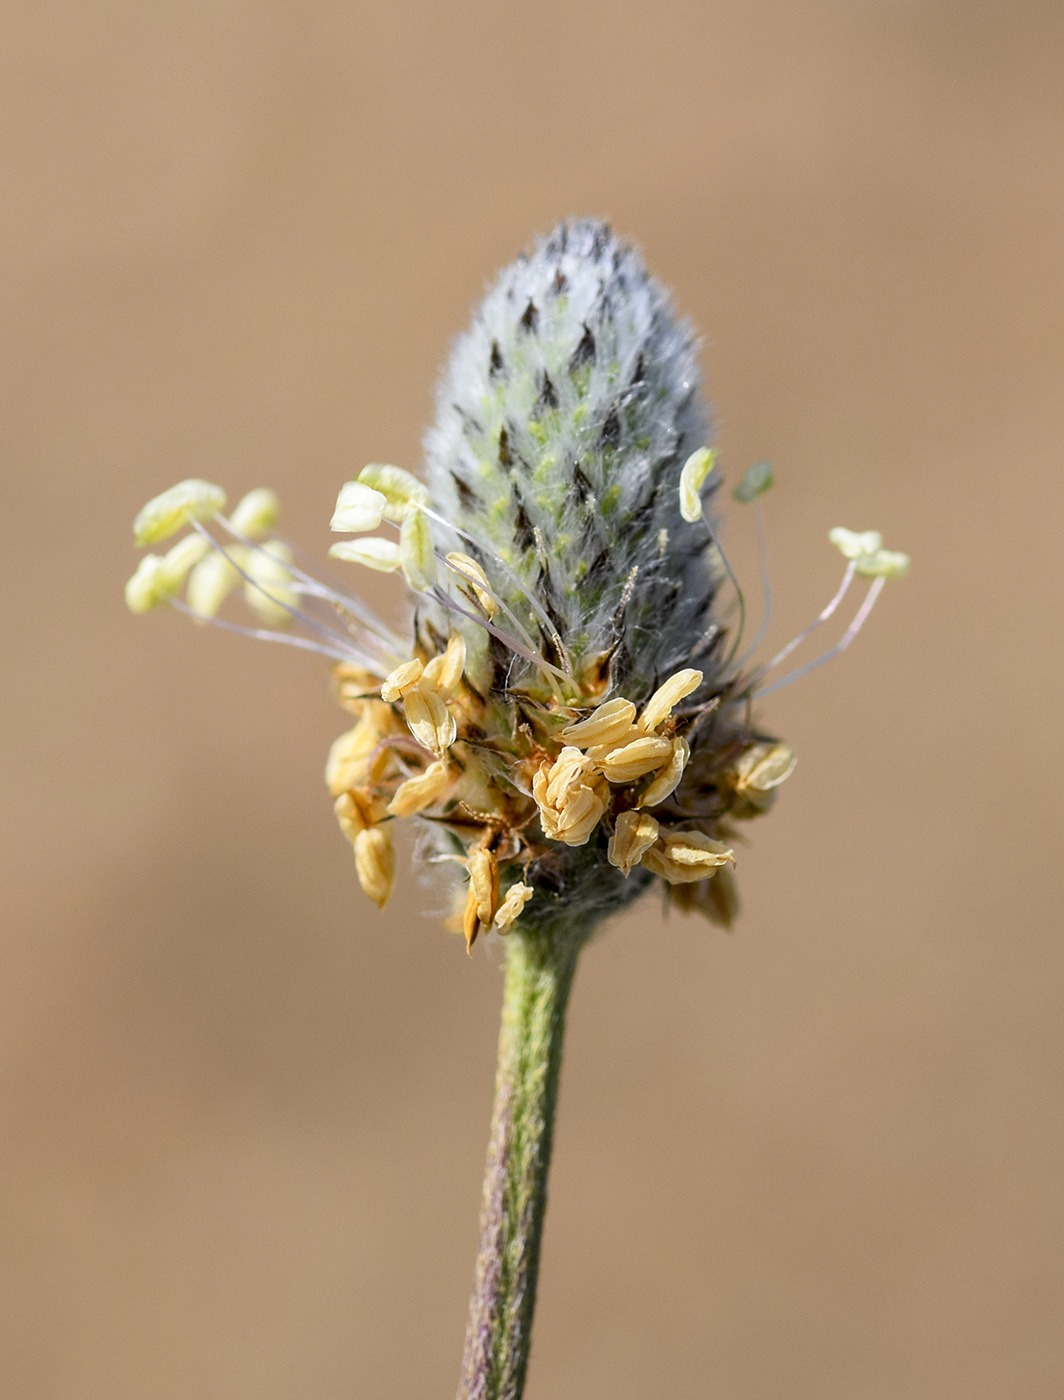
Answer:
[(569, 720)]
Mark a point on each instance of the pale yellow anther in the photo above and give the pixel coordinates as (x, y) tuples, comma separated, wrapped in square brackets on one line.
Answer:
[(178, 560), (634, 833), (267, 589), (423, 791), (444, 672), (683, 856), (665, 784), (855, 544), (509, 911), (256, 513), (375, 863), (570, 798), (763, 767), (661, 703), (402, 679), (401, 491), (474, 575), (143, 590), (429, 720), (695, 470), (416, 553), (358, 507), (372, 553), (609, 723), (631, 761), (164, 515), (210, 581), (884, 563)]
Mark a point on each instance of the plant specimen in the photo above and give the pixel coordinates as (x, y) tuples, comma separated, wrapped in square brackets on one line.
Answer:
[(572, 716)]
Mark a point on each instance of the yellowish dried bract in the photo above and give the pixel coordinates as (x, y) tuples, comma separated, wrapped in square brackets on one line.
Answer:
[(609, 723), (402, 679), (359, 756), (421, 791), (430, 721), (634, 759), (474, 575), (509, 911), (634, 834), (444, 672), (482, 894), (570, 797), (668, 777), (681, 856), (667, 696), (375, 863)]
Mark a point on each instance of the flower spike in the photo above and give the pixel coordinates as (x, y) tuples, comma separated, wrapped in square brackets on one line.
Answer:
[(568, 713)]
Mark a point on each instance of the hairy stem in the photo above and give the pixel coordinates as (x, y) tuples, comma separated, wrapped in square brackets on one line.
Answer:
[(539, 975)]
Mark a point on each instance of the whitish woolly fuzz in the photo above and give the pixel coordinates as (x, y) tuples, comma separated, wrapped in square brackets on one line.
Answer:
[(563, 420)]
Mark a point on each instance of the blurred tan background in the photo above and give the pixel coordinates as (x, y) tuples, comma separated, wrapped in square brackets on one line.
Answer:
[(244, 1115)]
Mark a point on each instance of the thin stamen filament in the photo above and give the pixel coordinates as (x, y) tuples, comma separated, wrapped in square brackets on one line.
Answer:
[(847, 579), (536, 606), (521, 630), (353, 606), (839, 647), (263, 634), (738, 593), (323, 629), (551, 672)]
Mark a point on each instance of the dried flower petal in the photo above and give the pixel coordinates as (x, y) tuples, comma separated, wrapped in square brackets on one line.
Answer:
[(374, 553), (375, 863), (681, 856), (429, 719), (668, 779), (402, 679), (609, 723), (667, 696), (509, 911), (421, 791), (633, 760), (634, 833), (444, 672)]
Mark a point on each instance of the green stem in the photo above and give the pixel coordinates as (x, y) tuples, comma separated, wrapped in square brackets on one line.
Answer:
[(539, 975)]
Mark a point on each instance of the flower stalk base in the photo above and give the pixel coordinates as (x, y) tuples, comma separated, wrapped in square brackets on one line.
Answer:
[(539, 976)]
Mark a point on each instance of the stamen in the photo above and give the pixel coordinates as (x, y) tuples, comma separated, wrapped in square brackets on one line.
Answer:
[(839, 647), (263, 634), (353, 606), (181, 505), (323, 629), (551, 672), (530, 597), (847, 579)]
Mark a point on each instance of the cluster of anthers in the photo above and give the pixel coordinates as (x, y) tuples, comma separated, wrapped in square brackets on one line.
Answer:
[(567, 768), (569, 723)]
